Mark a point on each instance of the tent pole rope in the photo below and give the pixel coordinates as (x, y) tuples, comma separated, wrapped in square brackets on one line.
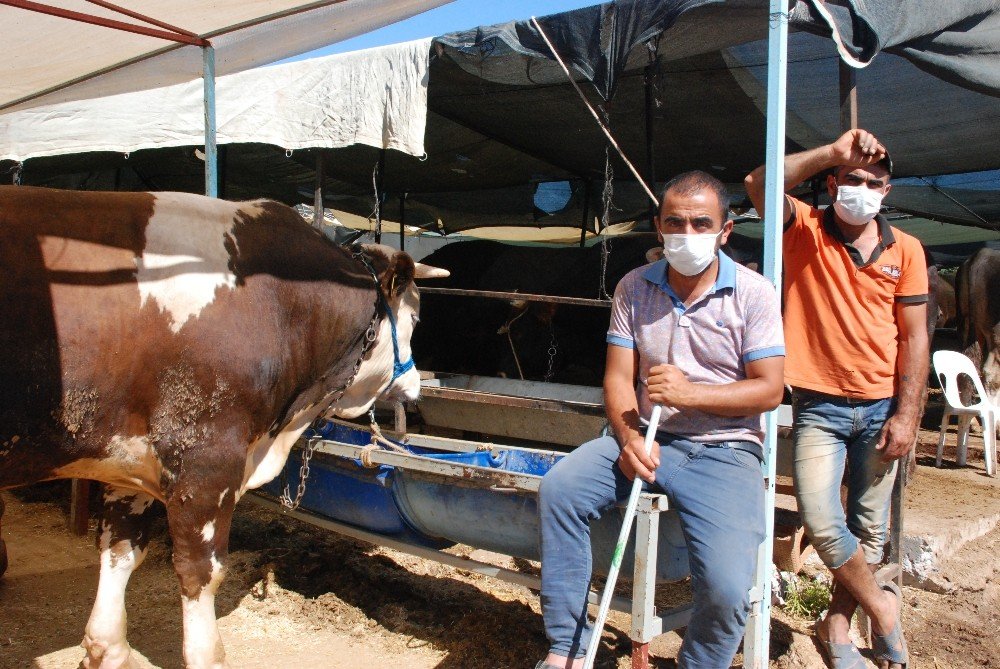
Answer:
[(593, 113), (606, 195), (934, 186)]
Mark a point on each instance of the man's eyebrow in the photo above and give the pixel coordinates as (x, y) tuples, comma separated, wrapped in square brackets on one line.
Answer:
[(704, 219), (673, 219)]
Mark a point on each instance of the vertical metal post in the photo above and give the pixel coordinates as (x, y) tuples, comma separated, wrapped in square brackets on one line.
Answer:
[(647, 534), (211, 157), (379, 195), (848, 97), (650, 162), (586, 213), (757, 640), (402, 221), (318, 192)]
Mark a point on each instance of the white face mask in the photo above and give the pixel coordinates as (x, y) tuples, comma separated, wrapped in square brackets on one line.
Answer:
[(856, 205), (690, 254)]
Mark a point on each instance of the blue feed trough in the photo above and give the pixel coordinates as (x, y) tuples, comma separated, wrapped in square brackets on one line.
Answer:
[(438, 492)]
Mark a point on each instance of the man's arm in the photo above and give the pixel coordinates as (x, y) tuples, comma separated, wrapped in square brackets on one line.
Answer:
[(900, 431), (761, 391), (856, 148), (622, 407)]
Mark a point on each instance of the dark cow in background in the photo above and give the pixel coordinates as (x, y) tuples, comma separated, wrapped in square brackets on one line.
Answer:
[(977, 301), (175, 347), (497, 338)]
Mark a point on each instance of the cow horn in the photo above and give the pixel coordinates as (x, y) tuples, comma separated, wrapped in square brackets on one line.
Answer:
[(429, 272)]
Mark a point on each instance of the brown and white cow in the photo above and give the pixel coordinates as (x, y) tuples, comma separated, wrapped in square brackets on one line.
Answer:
[(174, 347), (977, 301)]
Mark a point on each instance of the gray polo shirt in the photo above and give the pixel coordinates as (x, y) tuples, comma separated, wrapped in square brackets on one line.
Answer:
[(736, 321)]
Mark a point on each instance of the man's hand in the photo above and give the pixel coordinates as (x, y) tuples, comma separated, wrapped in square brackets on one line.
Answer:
[(633, 459), (899, 435), (668, 386), (856, 148)]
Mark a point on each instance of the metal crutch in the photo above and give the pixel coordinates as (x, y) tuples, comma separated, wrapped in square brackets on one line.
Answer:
[(616, 559)]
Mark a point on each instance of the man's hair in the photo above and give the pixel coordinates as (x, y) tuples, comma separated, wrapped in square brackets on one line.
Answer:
[(885, 163), (694, 182)]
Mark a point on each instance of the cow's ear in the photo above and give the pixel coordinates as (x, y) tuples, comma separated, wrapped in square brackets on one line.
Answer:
[(399, 275)]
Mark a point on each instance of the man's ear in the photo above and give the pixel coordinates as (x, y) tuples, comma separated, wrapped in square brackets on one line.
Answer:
[(831, 185), (727, 229), (399, 275)]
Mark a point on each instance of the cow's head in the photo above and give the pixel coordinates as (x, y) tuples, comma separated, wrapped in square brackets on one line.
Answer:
[(387, 369)]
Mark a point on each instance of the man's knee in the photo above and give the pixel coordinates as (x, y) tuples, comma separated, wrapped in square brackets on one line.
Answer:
[(834, 544), (726, 597)]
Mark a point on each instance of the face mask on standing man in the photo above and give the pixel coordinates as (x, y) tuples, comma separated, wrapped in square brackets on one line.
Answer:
[(856, 205)]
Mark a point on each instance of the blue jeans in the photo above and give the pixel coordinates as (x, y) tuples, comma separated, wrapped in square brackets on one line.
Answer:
[(717, 491), (829, 434)]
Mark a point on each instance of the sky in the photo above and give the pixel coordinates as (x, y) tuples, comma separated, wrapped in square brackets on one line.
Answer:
[(457, 15)]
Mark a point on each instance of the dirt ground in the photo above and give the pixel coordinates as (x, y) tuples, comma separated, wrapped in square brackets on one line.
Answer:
[(302, 597)]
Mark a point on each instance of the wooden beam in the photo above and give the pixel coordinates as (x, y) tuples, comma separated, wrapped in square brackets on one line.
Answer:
[(79, 506), (848, 97)]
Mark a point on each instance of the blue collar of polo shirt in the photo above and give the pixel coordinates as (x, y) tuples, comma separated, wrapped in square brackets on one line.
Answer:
[(657, 275)]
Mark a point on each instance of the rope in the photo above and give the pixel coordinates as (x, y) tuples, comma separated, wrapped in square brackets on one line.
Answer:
[(505, 328), (606, 194), (602, 124), (379, 443), (377, 212)]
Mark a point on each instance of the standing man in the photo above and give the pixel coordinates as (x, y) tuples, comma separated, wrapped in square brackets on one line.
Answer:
[(699, 335), (855, 323)]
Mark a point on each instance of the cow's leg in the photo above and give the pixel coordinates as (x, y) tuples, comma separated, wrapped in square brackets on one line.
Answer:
[(3, 546), (123, 540), (199, 527)]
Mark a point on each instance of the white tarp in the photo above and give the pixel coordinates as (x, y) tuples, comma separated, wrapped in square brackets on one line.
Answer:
[(376, 97), (48, 53)]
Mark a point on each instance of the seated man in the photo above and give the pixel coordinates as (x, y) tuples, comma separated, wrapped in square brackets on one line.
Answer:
[(701, 336)]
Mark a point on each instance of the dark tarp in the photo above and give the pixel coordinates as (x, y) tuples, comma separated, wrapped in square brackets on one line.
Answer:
[(502, 117)]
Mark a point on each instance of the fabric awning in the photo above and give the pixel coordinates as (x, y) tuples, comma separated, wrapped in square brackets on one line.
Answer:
[(376, 97), (48, 53)]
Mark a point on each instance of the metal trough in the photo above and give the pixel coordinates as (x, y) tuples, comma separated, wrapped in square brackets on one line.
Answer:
[(552, 413)]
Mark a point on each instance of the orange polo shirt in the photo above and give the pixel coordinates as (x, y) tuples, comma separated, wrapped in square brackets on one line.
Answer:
[(840, 321)]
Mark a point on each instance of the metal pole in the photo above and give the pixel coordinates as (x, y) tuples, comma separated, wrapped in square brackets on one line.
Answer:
[(616, 559), (318, 192), (848, 97), (757, 641), (650, 163), (211, 152), (586, 213)]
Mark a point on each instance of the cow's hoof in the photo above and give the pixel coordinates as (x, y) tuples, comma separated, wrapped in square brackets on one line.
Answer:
[(3, 557)]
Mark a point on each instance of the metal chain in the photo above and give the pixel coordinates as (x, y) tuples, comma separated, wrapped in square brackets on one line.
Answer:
[(553, 350), (370, 334)]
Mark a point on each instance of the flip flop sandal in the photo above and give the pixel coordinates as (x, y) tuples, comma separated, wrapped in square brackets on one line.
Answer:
[(842, 655), (892, 646)]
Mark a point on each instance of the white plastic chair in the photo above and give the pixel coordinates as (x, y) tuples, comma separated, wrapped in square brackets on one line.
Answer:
[(948, 365)]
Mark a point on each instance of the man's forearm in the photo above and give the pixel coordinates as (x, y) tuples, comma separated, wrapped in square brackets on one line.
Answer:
[(798, 168), (622, 408), (740, 398), (912, 369)]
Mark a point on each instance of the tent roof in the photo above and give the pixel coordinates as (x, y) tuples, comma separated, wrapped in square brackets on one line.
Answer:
[(502, 118), (66, 58)]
